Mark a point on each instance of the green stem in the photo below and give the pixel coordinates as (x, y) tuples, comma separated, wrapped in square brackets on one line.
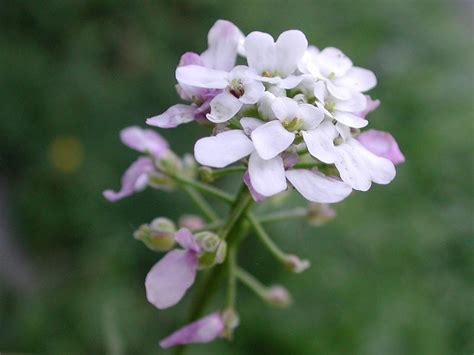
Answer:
[(283, 215), (201, 203), (231, 279), (224, 196), (226, 171), (265, 239), (251, 282), (307, 165), (242, 203)]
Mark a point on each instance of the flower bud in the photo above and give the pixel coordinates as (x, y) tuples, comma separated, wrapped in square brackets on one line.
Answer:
[(213, 249), (231, 321), (320, 213), (205, 174), (295, 264), (278, 296), (158, 235), (191, 222), (170, 163), (189, 166), (160, 181)]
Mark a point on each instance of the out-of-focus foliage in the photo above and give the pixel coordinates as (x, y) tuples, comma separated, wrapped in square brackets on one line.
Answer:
[(391, 275)]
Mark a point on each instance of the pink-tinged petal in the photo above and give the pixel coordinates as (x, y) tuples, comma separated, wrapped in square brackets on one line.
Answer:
[(170, 278), (270, 139), (144, 140), (134, 179), (332, 60), (358, 167), (203, 330), (185, 238), (317, 187), (222, 149), (255, 195), (195, 75), (173, 117), (289, 159), (190, 58), (261, 52), (249, 124), (320, 142), (371, 105), (223, 107), (350, 119), (267, 176), (312, 116), (290, 48), (358, 79), (223, 40), (381, 144), (285, 108)]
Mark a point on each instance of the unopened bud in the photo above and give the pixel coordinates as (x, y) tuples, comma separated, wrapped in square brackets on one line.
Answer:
[(205, 174), (231, 321), (213, 249), (160, 181), (191, 222), (295, 264), (158, 235), (170, 163), (320, 213), (189, 166), (278, 296)]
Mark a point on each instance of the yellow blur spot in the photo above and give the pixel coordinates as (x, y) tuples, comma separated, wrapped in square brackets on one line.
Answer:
[(65, 153)]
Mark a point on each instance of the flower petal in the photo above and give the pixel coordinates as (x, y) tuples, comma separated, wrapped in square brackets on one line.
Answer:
[(270, 139), (358, 167), (317, 187), (249, 124), (223, 149), (255, 195), (261, 51), (381, 144), (267, 176), (290, 48), (203, 330), (339, 92), (285, 108), (202, 77), (264, 106), (169, 279), (185, 238), (332, 60), (253, 91), (358, 79), (173, 117), (291, 82), (144, 140), (134, 179), (223, 40), (350, 119), (371, 105), (320, 142), (356, 103), (311, 115), (223, 107)]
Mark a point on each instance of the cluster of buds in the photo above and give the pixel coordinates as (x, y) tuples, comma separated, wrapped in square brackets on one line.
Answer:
[(289, 118)]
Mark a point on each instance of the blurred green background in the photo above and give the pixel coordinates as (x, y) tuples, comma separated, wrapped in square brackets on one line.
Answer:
[(393, 274)]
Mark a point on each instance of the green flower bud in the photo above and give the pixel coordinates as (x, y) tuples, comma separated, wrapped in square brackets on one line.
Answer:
[(213, 249), (208, 241), (278, 296), (158, 235), (205, 174)]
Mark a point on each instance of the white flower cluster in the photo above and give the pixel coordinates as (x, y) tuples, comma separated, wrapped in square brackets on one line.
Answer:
[(294, 110)]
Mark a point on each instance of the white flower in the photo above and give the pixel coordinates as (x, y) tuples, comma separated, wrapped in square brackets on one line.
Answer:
[(267, 176), (344, 111), (275, 62), (240, 87), (333, 67)]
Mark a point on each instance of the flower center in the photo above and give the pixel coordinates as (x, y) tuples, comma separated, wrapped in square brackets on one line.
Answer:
[(236, 88), (295, 124)]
